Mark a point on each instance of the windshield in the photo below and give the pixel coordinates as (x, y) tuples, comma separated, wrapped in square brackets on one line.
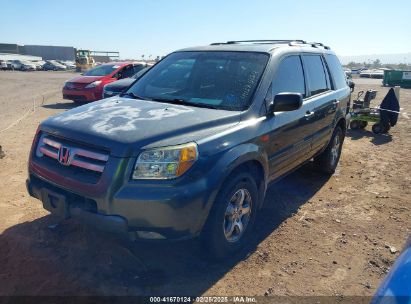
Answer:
[(101, 70), (221, 80)]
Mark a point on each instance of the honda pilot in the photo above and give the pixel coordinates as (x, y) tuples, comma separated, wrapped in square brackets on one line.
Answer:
[(189, 148)]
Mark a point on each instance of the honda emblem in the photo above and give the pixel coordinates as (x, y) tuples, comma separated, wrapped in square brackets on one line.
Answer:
[(64, 156)]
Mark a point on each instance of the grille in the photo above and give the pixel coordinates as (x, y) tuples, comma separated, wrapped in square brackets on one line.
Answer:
[(72, 156), (75, 86)]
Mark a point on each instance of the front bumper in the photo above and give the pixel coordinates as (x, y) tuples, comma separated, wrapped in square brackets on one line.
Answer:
[(84, 95), (134, 210)]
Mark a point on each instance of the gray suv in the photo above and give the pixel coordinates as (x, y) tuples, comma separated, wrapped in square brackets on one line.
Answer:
[(189, 148)]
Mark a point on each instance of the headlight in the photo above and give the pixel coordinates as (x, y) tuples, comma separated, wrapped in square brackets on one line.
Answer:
[(93, 84), (165, 163)]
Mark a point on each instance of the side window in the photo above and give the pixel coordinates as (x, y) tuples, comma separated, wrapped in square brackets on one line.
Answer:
[(289, 77), (315, 74), (336, 71), (127, 71)]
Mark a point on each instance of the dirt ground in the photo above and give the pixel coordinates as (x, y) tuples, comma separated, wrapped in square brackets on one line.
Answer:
[(316, 236)]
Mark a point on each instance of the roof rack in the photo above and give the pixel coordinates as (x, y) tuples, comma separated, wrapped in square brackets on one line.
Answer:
[(317, 44), (269, 41), (313, 44), (260, 41)]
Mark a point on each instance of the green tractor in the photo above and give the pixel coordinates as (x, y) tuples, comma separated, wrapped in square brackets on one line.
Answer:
[(384, 116)]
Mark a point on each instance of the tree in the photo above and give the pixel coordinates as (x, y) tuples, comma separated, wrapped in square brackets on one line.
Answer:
[(376, 63), (352, 65)]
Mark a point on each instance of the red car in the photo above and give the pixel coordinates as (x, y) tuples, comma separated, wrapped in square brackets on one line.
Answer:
[(89, 86)]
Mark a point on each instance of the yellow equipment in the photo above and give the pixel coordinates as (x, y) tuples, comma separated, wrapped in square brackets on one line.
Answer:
[(84, 60)]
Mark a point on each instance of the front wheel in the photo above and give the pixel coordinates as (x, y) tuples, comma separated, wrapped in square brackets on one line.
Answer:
[(232, 217), (327, 161)]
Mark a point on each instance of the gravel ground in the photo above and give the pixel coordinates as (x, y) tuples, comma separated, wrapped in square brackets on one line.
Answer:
[(315, 236)]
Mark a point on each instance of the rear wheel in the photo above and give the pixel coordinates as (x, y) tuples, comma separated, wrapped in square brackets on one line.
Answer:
[(377, 128), (363, 124), (232, 217), (327, 161), (354, 124)]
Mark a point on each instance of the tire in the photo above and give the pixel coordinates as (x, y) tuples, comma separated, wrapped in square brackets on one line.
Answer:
[(377, 128), (327, 161), (363, 124), (222, 236), (354, 125), (386, 128)]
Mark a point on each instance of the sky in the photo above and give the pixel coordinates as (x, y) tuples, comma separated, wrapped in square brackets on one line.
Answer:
[(157, 27)]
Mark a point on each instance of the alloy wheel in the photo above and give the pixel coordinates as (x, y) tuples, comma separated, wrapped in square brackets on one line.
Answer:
[(237, 215)]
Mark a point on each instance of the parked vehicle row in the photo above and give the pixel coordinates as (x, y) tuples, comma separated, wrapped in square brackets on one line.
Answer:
[(89, 86), (25, 65), (372, 73)]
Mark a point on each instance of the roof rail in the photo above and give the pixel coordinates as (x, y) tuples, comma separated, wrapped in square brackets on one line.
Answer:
[(313, 44), (290, 42), (260, 41), (317, 44)]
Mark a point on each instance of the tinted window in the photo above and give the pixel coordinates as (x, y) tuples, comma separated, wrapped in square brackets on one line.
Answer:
[(127, 71), (223, 80), (289, 76), (336, 70), (315, 74)]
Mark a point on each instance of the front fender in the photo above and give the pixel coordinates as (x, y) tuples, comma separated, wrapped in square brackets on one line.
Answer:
[(227, 163)]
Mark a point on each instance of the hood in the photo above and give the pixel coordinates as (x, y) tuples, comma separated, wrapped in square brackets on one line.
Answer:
[(119, 84), (124, 126), (85, 79)]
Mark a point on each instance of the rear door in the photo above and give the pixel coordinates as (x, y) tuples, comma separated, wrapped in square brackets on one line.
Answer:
[(342, 93), (290, 139), (321, 96)]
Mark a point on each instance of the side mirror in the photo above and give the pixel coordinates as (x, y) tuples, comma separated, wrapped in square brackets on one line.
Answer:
[(284, 102)]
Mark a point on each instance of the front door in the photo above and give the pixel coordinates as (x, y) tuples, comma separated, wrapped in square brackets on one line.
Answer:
[(290, 140)]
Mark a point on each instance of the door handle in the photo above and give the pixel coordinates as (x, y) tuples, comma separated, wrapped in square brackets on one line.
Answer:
[(336, 101), (309, 114)]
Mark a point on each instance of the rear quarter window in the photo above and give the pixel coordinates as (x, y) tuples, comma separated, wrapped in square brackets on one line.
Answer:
[(336, 71)]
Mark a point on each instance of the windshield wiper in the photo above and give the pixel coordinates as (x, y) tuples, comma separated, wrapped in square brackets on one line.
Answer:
[(134, 96), (184, 102)]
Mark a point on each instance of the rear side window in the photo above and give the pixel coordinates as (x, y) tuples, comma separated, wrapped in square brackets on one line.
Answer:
[(289, 77), (336, 71), (317, 81)]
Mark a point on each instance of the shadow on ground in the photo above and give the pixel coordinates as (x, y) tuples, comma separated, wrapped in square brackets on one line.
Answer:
[(42, 258), (60, 105), (376, 139)]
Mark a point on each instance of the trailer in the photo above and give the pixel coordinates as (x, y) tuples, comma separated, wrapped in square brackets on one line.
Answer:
[(397, 78)]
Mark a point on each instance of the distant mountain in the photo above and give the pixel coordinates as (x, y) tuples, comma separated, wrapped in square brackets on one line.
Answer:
[(384, 58)]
